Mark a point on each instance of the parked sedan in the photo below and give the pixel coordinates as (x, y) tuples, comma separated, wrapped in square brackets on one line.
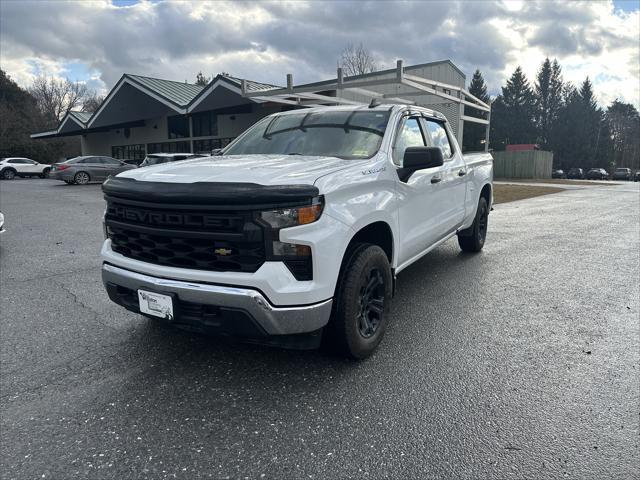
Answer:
[(597, 174), (558, 173), (12, 167), (82, 170), (576, 173), (622, 174), (157, 158)]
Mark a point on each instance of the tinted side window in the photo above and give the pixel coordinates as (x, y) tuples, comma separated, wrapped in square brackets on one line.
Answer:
[(110, 161), (410, 135), (439, 138)]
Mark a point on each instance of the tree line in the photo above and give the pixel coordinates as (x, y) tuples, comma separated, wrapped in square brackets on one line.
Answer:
[(559, 117), (551, 113), (39, 108)]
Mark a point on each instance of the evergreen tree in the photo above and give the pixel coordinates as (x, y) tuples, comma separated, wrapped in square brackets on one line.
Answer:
[(514, 113), (589, 131), (564, 141), (580, 135), (474, 133), (548, 93), (623, 122)]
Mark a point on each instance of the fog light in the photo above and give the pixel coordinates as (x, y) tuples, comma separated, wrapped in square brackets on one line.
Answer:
[(282, 249)]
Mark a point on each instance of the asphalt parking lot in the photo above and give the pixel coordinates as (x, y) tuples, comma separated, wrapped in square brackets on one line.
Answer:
[(520, 362)]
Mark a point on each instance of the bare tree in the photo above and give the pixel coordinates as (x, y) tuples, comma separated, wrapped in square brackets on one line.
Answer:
[(356, 60), (92, 102), (55, 97), (202, 80)]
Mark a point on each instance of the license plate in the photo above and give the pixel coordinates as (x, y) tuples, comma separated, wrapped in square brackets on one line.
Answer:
[(156, 304)]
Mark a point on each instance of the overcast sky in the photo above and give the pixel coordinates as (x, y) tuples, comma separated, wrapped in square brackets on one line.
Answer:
[(96, 42)]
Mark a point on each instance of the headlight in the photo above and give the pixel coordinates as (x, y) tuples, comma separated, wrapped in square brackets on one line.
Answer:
[(290, 217)]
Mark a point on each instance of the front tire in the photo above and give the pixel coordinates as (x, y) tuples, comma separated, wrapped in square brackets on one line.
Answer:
[(81, 178), (45, 173), (472, 239), (8, 174), (362, 299)]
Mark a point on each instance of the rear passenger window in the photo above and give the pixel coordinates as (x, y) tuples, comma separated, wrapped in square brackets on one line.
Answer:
[(439, 138), (410, 135)]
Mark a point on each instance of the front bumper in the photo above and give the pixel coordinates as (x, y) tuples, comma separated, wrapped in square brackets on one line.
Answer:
[(224, 309)]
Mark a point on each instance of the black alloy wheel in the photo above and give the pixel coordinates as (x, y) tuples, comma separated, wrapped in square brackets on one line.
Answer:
[(371, 313)]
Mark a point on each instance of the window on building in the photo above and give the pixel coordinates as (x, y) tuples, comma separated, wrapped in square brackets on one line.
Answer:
[(205, 146), (169, 147), (205, 124), (439, 138), (178, 126), (128, 152)]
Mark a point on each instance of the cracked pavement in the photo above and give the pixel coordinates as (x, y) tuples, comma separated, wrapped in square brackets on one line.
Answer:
[(520, 362)]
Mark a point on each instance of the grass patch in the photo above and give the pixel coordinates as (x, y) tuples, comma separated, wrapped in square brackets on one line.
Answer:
[(510, 193)]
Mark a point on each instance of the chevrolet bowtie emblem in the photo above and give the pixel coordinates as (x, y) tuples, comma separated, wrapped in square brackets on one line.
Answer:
[(222, 251)]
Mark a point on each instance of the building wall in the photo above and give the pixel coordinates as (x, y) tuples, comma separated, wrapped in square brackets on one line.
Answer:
[(155, 131)]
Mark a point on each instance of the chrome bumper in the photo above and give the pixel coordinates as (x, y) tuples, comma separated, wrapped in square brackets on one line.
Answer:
[(273, 320)]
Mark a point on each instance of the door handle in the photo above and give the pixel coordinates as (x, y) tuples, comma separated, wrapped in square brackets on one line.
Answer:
[(462, 173), (436, 179)]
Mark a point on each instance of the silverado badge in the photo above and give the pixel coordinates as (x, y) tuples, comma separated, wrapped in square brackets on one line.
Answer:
[(223, 251)]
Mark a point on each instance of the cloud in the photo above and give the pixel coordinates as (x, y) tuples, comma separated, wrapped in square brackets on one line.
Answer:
[(265, 40)]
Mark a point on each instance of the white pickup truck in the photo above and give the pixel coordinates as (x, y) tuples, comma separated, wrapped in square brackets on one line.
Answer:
[(296, 232)]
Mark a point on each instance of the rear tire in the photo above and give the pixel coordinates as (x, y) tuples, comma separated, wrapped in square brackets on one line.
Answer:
[(81, 178), (361, 303), (472, 239), (8, 174)]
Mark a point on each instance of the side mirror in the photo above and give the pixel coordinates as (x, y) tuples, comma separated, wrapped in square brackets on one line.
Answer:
[(216, 152), (419, 158)]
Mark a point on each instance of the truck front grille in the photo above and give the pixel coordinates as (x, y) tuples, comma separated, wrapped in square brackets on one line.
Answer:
[(195, 239)]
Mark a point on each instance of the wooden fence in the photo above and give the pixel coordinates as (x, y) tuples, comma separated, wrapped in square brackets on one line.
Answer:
[(528, 164)]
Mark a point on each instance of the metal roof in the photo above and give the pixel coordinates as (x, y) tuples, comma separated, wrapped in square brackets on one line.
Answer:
[(82, 117), (389, 70), (179, 93), (251, 85)]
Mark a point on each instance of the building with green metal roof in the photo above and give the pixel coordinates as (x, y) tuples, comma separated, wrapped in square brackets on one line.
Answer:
[(142, 115)]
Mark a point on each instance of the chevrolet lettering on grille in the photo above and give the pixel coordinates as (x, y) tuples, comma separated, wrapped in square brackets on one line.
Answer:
[(150, 217)]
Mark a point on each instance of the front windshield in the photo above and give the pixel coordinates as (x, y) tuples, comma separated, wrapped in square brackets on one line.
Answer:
[(348, 134)]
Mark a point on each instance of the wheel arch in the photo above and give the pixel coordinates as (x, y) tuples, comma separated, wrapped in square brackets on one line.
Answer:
[(487, 194), (376, 233)]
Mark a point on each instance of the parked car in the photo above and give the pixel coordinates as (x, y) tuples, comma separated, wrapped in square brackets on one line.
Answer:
[(85, 169), (157, 158), (295, 233), (597, 174), (2, 230), (622, 174), (558, 173), (636, 177), (575, 174), (131, 161), (12, 167)]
